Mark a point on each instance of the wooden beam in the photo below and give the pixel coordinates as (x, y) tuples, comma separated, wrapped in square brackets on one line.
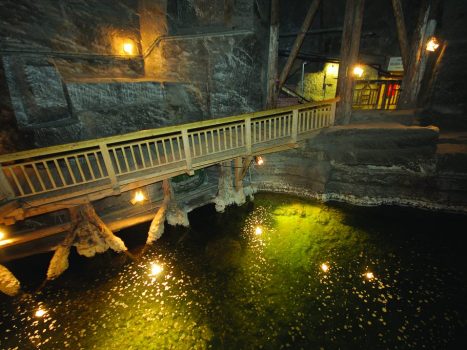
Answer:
[(238, 166), (432, 71), (298, 42), (273, 55), (401, 31), (418, 56), (350, 47), (246, 165)]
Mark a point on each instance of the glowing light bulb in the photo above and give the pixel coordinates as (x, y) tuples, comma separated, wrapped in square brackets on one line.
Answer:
[(325, 267), (259, 160), (369, 275), (128, 48), (40, 312), (358, 71), (432, 44), (156, 269), (138, 197), (258, 230)]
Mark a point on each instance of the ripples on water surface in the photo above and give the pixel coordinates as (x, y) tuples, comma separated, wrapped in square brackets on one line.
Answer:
[(280, 273)]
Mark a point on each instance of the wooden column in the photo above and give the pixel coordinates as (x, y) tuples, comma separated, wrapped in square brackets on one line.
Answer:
[(298, 42), (273, 55), (432, 71), (348, 58), (401, 31), (418, 56), (238, 165)]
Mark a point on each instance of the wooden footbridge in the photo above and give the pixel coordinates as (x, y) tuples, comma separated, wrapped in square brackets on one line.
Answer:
[(48, 179)]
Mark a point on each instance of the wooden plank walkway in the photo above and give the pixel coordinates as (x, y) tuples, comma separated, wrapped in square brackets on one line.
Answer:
[(41, 180)]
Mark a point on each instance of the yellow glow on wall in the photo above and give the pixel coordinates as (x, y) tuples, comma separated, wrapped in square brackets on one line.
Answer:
[(332, 69), (2, 235), (432, 44), (358, 71)]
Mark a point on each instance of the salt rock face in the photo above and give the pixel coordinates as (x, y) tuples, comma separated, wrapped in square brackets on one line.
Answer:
[(8, 283)]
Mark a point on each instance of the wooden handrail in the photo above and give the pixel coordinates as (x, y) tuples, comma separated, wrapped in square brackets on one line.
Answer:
[(112, 162), (153, 132)]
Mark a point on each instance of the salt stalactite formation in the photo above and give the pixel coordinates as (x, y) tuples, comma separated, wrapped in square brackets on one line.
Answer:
[(90, 235), (157, 225), (8, 282), (175, 214), (227, 195)]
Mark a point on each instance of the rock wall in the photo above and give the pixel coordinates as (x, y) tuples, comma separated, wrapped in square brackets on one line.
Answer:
[(369, 165), (70, 79)]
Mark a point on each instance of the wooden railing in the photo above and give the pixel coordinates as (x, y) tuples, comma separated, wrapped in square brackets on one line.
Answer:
[(110, 162), (376, 94)]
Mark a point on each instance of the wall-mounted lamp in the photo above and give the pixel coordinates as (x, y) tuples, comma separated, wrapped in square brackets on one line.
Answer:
[(128, 47), (358, 71), (138, 197), (259, 160), (432, 44)]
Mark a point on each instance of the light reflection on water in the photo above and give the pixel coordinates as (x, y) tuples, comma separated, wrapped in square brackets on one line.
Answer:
[(224, 286)]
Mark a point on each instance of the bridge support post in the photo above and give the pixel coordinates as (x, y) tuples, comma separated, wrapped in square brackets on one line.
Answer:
[(108, 164), (238, 166), (294, 125), (248, 135), (157, 224), (186, 148), (89, 234), (9, 285)]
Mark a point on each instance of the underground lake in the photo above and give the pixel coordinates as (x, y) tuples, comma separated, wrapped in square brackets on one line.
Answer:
[(279, 272)]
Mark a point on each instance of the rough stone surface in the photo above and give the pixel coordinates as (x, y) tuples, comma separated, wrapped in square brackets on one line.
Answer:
[(9, 285), (369, 165), (68, 80)]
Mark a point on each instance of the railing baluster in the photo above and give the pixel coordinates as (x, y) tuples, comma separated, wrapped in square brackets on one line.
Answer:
[(151, 158), (16, 181), (60, 174), (125, 159), (70, 170), (135, 161), (91, 169), (164, 148), (158, 156), (39, 177), (80, 169)]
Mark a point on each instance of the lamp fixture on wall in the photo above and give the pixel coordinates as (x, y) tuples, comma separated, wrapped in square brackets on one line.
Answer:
[(432, 44), (358, 71), (128, 47)]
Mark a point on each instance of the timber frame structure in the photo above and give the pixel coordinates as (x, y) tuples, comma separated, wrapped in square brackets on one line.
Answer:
[(50, 179)]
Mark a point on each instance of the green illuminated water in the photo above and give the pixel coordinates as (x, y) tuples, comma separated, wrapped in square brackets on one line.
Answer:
[(225, 287)]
